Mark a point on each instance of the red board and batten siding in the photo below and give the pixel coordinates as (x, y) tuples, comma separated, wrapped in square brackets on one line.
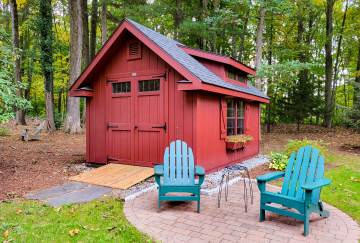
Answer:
[(177, 105), (193, 116), (211, 148)]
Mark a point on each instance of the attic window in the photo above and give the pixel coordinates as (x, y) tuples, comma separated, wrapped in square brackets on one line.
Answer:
[(134, 50), (234, 75)]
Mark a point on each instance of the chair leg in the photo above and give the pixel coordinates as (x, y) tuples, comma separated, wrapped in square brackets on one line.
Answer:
[(198, 206), (306, 224), (323, 213), (262, 214)]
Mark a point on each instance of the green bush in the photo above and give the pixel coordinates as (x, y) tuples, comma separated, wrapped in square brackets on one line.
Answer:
[(278, 161), (59, 120), (4, 132), (295, 145)]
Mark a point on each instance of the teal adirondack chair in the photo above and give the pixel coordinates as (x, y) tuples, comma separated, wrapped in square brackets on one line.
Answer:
[(303, 180), (177, 174)]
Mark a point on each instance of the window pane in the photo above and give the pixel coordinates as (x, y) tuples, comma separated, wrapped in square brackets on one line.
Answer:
[(123, 87), (240, 109), (240, 126), (230, 126), (230, 119), (149, 85), (231, 74), (230, 108)]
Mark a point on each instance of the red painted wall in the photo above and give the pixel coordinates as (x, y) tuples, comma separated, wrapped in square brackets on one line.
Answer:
[(211, 149), (191, 116), (178, 108)]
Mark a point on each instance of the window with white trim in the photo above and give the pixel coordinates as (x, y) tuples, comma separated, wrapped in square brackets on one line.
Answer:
[(234, 117)]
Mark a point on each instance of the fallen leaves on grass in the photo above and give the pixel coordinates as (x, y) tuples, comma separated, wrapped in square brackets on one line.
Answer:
[(6, 234), (74, 232)]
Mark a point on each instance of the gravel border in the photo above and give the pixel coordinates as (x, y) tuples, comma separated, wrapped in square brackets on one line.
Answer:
[(210, 186)]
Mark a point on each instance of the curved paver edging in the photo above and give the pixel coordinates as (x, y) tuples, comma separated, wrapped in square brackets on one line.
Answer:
[(179, 222)]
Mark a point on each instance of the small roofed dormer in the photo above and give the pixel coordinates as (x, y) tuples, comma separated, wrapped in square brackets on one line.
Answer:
[(236, 75)]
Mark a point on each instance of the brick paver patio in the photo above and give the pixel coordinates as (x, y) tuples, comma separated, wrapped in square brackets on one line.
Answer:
[(179, 222)]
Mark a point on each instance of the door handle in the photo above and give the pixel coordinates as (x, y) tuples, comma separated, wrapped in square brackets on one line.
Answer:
[(161, 126)]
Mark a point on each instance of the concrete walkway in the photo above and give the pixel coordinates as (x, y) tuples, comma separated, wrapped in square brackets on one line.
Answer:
[(178, 222)]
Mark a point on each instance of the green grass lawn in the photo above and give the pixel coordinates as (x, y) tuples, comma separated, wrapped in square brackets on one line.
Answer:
[(344, 192), (97, 221)]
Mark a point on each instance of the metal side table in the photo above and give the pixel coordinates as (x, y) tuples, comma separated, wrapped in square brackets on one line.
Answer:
[(244, 173)]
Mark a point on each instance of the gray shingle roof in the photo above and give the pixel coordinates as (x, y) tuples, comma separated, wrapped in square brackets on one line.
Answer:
[(191, 64)]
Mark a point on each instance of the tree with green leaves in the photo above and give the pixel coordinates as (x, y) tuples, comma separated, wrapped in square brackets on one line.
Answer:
[(45, 25)]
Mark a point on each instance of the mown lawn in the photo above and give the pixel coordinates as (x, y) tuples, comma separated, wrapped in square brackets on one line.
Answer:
[(344, 192), (98, 221)]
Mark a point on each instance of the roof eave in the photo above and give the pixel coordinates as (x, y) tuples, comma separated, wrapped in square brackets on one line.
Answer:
[(222, 90)]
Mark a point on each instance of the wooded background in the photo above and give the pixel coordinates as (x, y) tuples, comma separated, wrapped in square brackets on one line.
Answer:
[(307, 52)]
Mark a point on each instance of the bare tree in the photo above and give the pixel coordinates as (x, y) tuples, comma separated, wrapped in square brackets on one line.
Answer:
[(72, 120), (20, 114), (103, 21), (328, 63)]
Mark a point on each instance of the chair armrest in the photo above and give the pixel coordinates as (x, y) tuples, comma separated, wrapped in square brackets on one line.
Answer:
[(316, 184), (199, 170), (270, 176), (159, 170)]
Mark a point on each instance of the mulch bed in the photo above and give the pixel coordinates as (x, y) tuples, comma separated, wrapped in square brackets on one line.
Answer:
[(27, 166)]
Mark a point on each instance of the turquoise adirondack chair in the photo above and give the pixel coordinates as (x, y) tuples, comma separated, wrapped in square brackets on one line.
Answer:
[(303, 180), (177, 174)]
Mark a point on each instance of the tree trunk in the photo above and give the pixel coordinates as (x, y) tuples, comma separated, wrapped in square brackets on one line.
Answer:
[(269, 89), (328, 63), (103, 22), (72, 120), (337, 58), (243, 34), (46, 58), (20, 114), (85, 46), (356, 98), (94, 19), (259, 43)]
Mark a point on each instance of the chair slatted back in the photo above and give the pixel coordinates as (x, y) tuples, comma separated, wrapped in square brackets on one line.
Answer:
[(304, 166), (179, 165)]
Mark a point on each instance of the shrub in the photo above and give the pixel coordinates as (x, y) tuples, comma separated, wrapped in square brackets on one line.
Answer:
[(278, 161), (59, 120), (4, 132), (295, 145)]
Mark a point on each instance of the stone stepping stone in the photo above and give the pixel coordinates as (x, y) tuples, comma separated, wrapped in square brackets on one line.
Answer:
[(69, 193)]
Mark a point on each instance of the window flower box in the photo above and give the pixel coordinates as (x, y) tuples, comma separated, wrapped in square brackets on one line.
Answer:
[(237, 142)]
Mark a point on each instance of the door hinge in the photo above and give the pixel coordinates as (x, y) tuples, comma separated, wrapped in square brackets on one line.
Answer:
[(160, 76), (108, 158), (110, 125), (161, 126)]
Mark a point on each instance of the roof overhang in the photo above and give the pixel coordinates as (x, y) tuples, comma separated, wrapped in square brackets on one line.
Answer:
[(218, 58), (126, 25), (188, 86)]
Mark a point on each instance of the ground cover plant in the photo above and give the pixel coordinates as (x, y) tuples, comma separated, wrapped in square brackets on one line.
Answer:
[(98, 221)]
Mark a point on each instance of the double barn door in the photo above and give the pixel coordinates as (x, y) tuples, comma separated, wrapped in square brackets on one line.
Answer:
[(136, 125)]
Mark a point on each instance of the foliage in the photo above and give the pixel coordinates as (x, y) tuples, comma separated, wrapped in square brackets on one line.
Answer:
[(352, 119), (59, 120), (4, 132), (278, 161), (29, 221), (295, 145), (8, 88), (243, 138)]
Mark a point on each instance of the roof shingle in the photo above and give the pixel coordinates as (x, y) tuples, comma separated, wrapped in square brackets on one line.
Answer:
[(191, 64)]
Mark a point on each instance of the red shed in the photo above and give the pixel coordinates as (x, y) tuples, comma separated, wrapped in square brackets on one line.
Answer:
[(144, 90)]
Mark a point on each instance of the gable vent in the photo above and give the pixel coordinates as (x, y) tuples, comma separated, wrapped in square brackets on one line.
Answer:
[(134, 51)]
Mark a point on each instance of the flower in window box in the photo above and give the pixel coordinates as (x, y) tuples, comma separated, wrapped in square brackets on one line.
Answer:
[(236, 142)]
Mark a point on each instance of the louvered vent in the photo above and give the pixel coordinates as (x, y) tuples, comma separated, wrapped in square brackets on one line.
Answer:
[(134, 50)]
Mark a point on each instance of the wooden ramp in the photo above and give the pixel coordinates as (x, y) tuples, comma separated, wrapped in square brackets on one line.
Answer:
[(117, 176)]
